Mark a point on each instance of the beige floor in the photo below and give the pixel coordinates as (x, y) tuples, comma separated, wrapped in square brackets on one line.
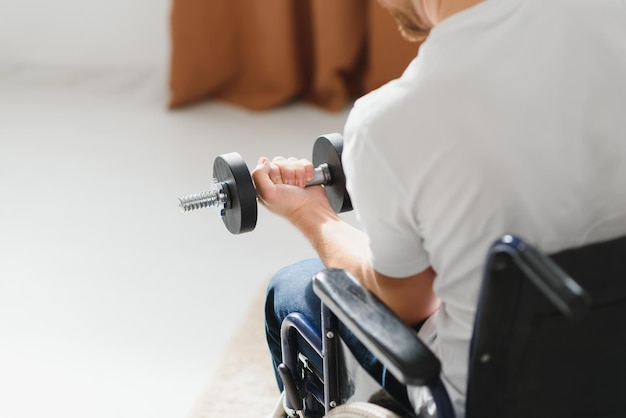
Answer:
[(113, 304), (242, 386)]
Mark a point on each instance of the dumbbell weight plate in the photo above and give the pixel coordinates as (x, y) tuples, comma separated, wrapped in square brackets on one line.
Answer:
[(240, 214), (327, 149)]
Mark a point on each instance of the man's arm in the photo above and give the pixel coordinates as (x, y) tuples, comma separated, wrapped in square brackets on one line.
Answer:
[(279, 185)]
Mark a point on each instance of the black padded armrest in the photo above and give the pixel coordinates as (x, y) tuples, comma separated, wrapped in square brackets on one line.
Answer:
[(377, 327)]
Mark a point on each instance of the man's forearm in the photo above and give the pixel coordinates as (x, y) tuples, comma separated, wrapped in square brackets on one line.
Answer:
[(338, 244)]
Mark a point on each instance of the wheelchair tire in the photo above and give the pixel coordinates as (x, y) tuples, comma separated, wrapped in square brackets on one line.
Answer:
[(361, 410)]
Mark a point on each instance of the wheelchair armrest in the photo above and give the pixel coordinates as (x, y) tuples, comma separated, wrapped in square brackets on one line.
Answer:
[(393, 343)]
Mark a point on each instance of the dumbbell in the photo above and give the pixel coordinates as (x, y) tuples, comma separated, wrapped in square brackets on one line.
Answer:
[(234, 194)]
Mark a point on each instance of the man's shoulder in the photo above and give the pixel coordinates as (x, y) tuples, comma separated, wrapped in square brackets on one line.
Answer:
[(420, 97)]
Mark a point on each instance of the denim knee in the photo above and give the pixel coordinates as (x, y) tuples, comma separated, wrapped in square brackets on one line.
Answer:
[(290, 290)]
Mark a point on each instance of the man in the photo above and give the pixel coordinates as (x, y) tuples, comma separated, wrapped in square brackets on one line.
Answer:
[(510, 120)]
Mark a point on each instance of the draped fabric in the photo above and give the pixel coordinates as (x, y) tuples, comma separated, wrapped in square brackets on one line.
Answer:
[(262, 54)]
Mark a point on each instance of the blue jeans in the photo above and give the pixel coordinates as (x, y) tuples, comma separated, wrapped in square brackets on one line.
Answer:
[(291, 291)]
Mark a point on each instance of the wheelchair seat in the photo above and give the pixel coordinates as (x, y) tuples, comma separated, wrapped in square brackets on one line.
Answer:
[(548, 341)]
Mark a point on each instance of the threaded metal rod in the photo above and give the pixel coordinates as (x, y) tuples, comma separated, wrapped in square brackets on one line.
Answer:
[(203, 200)]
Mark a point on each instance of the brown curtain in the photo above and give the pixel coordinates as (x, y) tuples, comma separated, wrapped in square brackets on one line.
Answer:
[(261, 54)]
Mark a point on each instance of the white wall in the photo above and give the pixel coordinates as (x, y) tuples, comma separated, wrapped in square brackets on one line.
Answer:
[(89, 33)]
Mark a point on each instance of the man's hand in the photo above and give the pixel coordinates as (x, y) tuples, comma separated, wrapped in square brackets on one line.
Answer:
[(280, 185)]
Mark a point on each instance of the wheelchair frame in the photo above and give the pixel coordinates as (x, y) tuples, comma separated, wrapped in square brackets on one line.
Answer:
[(310, 394), (307, 393)]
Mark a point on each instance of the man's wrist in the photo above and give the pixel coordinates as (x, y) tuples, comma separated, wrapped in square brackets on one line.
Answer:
[(310, 219)]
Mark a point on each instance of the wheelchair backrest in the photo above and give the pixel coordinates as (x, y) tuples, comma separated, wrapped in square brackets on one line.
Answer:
[(544, 347)]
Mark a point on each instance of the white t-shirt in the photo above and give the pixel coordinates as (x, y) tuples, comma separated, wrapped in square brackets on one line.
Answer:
[(512, 119)]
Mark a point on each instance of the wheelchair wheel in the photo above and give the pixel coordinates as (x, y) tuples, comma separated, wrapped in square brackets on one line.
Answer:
[(361, 410)]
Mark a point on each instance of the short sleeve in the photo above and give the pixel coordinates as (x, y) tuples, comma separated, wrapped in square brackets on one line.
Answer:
[(381, 204)]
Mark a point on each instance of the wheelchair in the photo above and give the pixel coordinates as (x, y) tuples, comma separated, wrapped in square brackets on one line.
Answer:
[(549, 340)]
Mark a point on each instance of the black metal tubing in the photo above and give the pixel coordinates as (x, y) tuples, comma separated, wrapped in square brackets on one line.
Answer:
[(298, 323), (571, 299), (330, 361), (293, 325)]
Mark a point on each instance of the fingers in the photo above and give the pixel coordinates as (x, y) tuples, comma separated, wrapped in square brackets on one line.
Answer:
[(308, 171), (262, 175), (275, 172), (291, 171)]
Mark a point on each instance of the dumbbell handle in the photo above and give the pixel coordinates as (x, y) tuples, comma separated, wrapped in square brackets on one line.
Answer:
[(219, 194), (321, 176)]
